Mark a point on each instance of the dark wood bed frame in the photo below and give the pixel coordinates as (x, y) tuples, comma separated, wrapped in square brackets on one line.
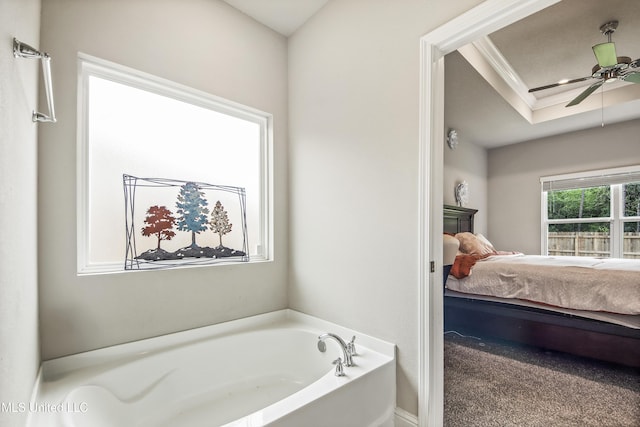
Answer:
[(532, 326)]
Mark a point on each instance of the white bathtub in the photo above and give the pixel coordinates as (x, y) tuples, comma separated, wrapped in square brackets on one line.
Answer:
[(262, 370)]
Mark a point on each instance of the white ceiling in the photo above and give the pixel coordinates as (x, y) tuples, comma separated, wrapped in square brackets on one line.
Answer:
[(487, 102), (283, 16)]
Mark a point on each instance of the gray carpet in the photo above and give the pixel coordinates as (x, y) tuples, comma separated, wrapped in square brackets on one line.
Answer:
[(490, 383)]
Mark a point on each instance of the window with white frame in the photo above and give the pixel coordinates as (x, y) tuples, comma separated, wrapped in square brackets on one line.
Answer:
[(168, 176), (595, 213)]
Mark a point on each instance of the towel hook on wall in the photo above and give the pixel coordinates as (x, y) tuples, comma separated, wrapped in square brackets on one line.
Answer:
[(23, 50)]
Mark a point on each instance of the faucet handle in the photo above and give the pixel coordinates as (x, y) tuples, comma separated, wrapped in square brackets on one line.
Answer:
[(339, 367), (351, 347)]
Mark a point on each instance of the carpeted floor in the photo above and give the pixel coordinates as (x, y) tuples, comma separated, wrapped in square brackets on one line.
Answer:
[(496, 384)]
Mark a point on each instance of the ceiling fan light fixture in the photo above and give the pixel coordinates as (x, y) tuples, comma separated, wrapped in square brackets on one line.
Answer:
[(610, 67), (606, 54), (608, 75)]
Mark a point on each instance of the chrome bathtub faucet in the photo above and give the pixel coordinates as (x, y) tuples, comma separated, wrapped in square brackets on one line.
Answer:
[(339, 369), (346, 353), (351, 347)]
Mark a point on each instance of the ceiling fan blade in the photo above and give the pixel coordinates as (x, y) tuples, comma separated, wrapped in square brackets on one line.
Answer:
[(606, 54), (581, 79), (588, 91), (633, 77)]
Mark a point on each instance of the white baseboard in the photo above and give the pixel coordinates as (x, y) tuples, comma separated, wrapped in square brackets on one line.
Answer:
[(405, 419)]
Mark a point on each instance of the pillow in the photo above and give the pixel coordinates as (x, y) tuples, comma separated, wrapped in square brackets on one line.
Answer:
[(486, 242), (462, 266), (449, 248), (472, 245)]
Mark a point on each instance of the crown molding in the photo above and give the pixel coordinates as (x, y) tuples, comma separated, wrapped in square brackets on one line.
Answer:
[(499, 63)]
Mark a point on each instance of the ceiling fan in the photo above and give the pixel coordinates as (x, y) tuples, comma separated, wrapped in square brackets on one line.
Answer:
[(610, 67)]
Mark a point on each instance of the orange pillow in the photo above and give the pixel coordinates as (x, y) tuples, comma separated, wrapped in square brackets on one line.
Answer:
[(462, 266)]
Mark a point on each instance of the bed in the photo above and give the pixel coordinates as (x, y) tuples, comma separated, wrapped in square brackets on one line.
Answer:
[(597, 334)]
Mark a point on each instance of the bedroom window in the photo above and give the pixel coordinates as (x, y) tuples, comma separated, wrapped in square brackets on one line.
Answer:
[(594, 213), (168, 176)]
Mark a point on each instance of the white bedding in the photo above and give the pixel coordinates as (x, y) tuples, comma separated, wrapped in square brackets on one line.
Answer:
[(580, 283)]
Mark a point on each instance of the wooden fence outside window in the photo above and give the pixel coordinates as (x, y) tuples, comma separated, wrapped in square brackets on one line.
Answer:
[(591, 244)]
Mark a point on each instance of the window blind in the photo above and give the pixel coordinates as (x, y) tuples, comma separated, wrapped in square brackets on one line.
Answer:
[(588, 181)]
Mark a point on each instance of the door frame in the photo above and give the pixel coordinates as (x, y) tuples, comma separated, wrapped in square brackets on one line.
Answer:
[(480, 21)]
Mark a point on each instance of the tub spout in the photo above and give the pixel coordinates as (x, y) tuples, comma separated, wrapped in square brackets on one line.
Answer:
[(348, 360)]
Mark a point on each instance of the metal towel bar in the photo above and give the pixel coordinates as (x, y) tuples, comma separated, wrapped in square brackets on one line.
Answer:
[(23, 50)]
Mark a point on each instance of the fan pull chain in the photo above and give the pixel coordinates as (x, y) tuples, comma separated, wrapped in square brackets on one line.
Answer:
[(602, 104)]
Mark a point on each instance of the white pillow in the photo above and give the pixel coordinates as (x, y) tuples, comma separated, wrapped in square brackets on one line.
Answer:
[(449, 249), (485, 241)]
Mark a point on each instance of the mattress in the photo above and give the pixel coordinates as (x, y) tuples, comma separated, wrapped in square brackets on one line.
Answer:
[(576, 283)]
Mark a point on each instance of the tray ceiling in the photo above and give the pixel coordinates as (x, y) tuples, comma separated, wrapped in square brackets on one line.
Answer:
[(543, 48)]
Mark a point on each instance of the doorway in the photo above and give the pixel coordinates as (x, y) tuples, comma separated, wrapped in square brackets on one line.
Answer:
[(482, 20)]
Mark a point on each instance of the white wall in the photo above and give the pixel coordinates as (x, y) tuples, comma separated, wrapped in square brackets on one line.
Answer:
[(467, 162), (19, 78), (354, 92), (515, 171), (204, 44)]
